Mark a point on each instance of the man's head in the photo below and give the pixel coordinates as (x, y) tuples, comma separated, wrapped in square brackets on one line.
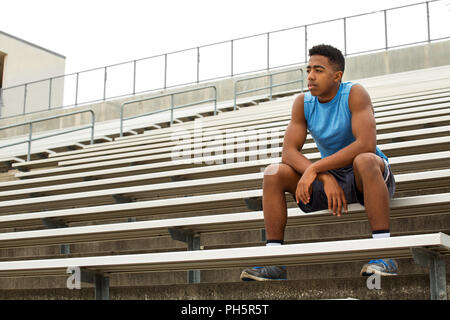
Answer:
[(333, 54), (325, 70)]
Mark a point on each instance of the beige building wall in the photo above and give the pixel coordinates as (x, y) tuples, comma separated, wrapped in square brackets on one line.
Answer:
[(24, 62)]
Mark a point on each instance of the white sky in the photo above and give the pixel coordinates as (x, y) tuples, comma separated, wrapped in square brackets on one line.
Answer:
[(96, 33)]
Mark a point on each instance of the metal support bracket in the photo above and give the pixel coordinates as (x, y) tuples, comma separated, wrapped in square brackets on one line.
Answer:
[(177, 178), (53, 223), (263, 235), (193, 243), (120, 198), (435, 262), (254, 204), (100, 281)]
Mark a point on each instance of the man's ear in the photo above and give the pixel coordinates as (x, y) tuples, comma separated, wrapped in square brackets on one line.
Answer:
[(338, 76)]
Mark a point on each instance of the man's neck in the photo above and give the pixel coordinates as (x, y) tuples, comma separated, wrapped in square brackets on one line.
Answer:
[(328, 96)]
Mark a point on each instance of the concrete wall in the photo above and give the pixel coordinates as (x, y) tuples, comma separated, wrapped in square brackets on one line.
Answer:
[(25, 62), (398, 60), (357, 67)]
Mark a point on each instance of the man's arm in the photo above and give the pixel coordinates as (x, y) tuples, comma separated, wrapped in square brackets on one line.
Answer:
[(295, 137)]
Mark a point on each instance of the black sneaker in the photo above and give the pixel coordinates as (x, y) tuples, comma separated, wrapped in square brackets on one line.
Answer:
[(264, 273)]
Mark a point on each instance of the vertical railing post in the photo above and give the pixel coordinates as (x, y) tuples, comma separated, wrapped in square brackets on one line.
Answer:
[(104, 84), (235, 99), (134, 77), (306, 44), (93, 126), (345, 36), (385, 30), (232, 58), (215, 100), (121, 119), (30, 132), (25, 97), (76, 89), (165, 70), (428, 22), (198, 64)]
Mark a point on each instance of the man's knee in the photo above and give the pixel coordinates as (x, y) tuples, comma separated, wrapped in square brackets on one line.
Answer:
[(368, 164), (272, 169), (280, 175), (281, 170)]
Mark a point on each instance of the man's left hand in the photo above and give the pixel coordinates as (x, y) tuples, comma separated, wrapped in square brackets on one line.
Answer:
[(304, 186)]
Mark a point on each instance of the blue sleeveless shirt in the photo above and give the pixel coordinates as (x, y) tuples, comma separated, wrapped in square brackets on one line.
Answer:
[(330, 124)]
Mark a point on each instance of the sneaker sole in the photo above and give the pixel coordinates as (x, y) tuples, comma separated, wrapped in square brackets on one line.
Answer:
[(250, 277)]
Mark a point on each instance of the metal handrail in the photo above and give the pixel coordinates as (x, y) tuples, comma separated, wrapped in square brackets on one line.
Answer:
[(172, 107), (270, 86), (233, 72), (30, 129)]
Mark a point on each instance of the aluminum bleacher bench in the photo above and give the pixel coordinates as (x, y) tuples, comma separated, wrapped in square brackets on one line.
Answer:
[(390, 149), (426, 249), (276, 139), (139, 173), (239, 138), (383, 128), (214, 122), (22, 203), (285, 106), (47, 186), (387, 119), (433, 96), (262, 114), (174, 132), (412, 96), (400, 207)]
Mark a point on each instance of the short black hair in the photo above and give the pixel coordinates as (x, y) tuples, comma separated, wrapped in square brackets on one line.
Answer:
[(333, 54)]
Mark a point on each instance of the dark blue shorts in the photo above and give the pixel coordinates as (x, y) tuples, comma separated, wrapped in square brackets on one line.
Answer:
[(346, 179)]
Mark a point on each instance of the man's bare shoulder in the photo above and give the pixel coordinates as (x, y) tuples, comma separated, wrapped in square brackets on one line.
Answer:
[(358, 89), (298, 107), (359, 98)]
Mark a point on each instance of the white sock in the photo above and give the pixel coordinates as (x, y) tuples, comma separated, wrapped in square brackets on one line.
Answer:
[(381, 235), (272, 244)]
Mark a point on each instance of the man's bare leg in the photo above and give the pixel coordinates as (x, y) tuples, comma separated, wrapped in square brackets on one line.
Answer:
[(278, 179), (368, 169)]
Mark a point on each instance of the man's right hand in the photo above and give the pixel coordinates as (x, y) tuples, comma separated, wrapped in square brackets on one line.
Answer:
[(337, 203)]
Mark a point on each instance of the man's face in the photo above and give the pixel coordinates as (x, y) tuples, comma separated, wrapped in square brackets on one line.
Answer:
[(322, 75)]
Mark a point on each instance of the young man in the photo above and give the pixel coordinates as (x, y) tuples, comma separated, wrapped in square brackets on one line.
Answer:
[(352, 168)]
